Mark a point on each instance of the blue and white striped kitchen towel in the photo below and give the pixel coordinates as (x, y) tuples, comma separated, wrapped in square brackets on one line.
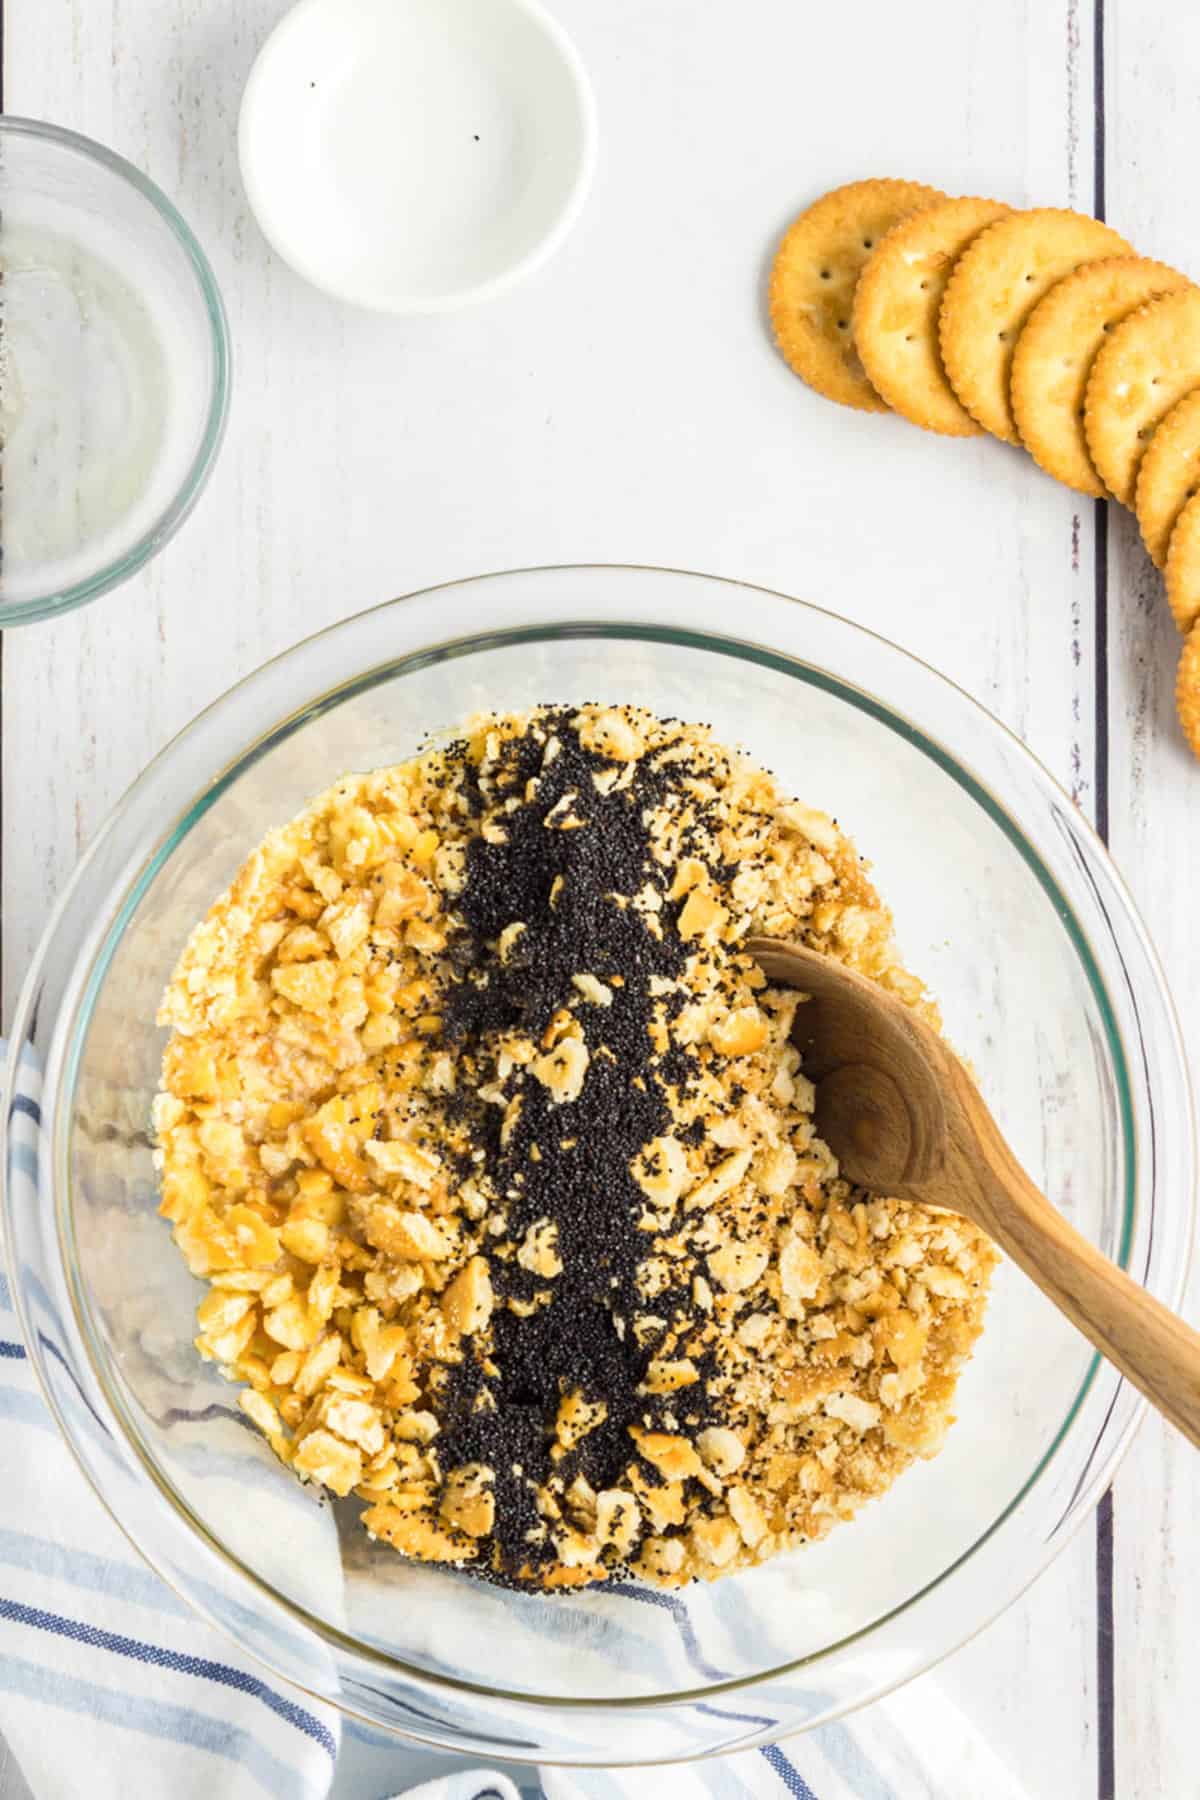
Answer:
[(110, 1686)]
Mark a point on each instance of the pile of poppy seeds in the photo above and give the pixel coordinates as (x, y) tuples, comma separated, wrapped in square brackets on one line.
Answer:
[(570, 1163)]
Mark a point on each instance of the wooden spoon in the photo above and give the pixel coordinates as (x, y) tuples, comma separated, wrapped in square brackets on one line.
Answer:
[(903, 1117)]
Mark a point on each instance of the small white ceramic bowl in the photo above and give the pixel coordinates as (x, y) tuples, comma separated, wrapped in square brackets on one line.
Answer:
[(416, 155)]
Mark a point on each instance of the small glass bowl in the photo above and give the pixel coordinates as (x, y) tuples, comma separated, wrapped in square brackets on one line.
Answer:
[(114, 369), (1004, 900)]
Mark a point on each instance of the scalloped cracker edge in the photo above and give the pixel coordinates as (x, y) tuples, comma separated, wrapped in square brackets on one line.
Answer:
[(1150, 361), (1168, 476), (1055, 352), (811, 288), (996, 284), (896, 307)]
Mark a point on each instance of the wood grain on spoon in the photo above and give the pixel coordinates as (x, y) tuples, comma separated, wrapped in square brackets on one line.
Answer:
[(903, 1117)]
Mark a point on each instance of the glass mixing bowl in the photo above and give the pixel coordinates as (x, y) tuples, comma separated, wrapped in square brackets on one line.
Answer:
[(1004, 900), (114, 369)]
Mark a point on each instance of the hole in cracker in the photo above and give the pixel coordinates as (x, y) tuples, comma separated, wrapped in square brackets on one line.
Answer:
[(908, 337), (924, 285), (825, 277), (1029, 278), (1003, 336), (1154, 381), (843, 325), (867, 242)]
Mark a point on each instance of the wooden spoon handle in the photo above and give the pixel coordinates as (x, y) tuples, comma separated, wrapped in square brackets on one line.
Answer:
[(1149, 1345)]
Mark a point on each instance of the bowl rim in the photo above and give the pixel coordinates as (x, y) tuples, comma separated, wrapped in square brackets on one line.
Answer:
[(1095, 1477), (380, 299), (173, 514)]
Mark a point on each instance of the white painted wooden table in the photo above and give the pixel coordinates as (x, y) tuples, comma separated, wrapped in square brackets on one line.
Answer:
[(627, 406)]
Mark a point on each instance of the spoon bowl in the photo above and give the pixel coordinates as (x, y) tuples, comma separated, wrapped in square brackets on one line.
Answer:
[(902, 1115)]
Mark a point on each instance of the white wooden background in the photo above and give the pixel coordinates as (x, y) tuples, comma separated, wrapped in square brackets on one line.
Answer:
[(627, 406)]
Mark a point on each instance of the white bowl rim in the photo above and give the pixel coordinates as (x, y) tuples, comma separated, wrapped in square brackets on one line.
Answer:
[(310, 268)]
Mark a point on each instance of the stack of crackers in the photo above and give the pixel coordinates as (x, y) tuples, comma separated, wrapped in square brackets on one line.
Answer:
[(1042, 326)]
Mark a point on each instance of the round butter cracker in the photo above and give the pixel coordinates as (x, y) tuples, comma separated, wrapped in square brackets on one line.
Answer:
[(816, 269), (896, 306), (1187, 689), (995, 285), (1148, 363), (1183, 567), (1168, 475), (1055, 352)]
